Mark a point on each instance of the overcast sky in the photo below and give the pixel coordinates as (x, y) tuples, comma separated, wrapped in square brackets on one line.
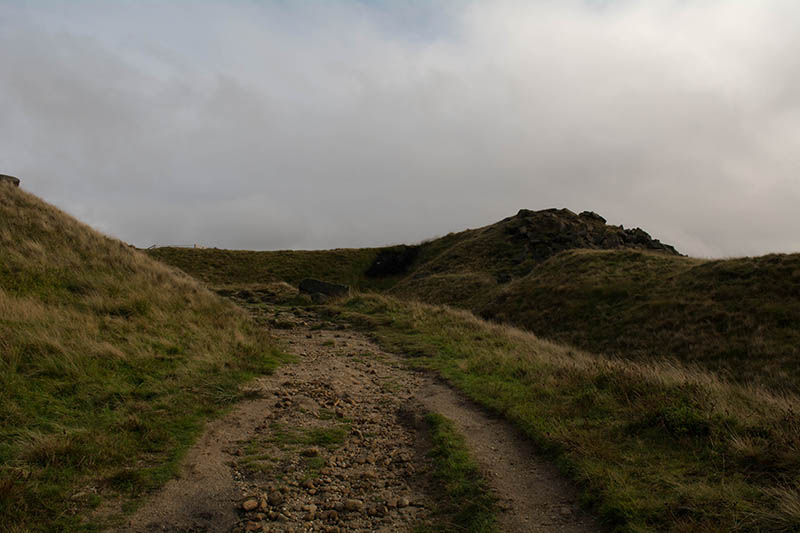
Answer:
[(272, 125)]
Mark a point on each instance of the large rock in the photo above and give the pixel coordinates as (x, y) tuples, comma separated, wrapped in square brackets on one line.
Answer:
[(4, 178), (315, 286)]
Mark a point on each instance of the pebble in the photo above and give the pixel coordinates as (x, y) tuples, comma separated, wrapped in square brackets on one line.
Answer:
[(275, 498), (353, 505), (329, 515), (250, 505)]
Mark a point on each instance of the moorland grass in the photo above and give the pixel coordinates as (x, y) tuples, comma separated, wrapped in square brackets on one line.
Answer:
[(735, 317), (109, 365), (654, 446)]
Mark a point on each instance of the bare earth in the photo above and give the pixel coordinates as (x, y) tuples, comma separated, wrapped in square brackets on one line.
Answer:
[(336, 442)]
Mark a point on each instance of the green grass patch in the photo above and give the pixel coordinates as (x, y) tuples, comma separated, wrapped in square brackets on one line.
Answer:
[(327, 437), (313, 465), (466, 503)]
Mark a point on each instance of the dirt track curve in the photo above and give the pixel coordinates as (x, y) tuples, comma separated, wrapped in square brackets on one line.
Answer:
[(336, 442)]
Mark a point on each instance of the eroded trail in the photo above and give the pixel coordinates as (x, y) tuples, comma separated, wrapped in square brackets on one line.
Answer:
[(533, 495), (336, 442)]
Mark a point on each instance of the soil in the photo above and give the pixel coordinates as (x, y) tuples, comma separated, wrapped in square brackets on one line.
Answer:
[(337, 442)]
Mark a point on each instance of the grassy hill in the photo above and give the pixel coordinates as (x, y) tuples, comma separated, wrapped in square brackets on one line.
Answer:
[(571, 278), (654, 446), (737, 317), (109, 364)]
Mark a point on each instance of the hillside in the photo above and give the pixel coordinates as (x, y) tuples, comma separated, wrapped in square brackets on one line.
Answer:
[(571, 278), (502, 251), (737, 317), (654, 443), (654, 446), (109, 365)]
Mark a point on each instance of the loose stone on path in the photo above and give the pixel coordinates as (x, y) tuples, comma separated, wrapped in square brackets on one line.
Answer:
[(336, 442)]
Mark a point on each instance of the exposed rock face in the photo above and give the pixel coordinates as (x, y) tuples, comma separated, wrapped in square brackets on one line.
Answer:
[(9, 179), (315, 286), (545, 233)]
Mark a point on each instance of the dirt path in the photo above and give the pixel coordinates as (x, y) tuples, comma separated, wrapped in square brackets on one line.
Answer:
[(336, 443), (533, 495)]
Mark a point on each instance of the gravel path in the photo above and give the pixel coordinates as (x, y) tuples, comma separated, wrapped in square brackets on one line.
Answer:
[(336, 442)]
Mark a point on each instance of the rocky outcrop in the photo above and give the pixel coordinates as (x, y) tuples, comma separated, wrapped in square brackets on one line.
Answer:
[(4, 178), (542, 234), (315, 286)]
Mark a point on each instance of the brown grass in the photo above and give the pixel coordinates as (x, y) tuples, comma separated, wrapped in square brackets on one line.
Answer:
[(108, 361)]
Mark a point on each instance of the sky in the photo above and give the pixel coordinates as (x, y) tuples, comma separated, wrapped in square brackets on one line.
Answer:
[(315, 124)]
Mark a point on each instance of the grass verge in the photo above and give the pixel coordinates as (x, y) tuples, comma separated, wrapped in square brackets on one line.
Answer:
[(466, 503), (654, 447)]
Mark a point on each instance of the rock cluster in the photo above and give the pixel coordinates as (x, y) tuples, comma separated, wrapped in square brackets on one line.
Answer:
[(542, 234), (321, 290)]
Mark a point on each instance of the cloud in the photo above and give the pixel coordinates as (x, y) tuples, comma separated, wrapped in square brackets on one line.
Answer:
[(291, 125)]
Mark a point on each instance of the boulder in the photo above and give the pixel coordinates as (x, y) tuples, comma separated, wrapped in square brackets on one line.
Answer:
[(315, 286), (9, 179)]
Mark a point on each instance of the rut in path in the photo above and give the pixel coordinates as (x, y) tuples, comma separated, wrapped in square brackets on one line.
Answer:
[(335, 442)]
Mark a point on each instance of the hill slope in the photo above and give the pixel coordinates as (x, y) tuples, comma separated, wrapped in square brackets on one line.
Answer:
[(575, 279), (738, 317), (654, 446), (109, 363)]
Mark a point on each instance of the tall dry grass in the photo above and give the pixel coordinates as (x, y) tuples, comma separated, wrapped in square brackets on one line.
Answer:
[(109, 364)]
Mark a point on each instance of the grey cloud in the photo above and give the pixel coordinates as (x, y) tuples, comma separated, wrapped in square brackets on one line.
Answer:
[(300, 125)]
